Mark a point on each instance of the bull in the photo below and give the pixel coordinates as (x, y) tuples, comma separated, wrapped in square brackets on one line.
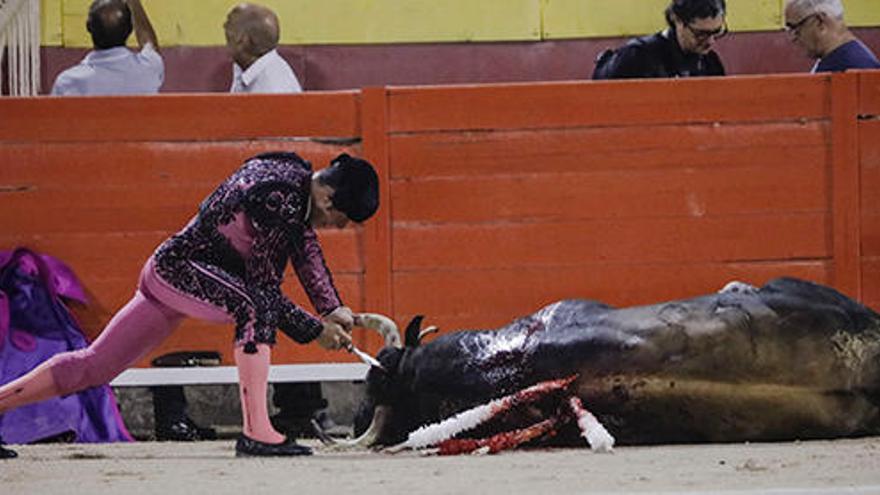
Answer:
[(789, 360)]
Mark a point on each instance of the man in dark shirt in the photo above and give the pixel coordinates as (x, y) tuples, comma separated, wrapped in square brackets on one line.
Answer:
[(684, 49), (818, 27)]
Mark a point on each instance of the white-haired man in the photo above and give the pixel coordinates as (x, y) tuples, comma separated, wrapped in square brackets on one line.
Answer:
[(818, 27)]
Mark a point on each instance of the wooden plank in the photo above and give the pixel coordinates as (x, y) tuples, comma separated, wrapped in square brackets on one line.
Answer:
[(90, 252), (719, 190), (641, 102), (870, 229), (177, 117), (484, 298), (443, 154), (144, 163), (377, 235), (216, 375), (845, 188), (75, 210), (869, 93), (572, 243), (869, 152), (871, 281)]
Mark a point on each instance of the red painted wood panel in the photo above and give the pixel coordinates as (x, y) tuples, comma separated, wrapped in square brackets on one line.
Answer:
[(871, 281), (637, 102), (869, 151), (870, 234), (377, 249), (649, 193), (500, 198), (703, 147), (730, 238), (207, 117), (485, 298), (845, 184), (125, 252), (869, 92), (142, 163)]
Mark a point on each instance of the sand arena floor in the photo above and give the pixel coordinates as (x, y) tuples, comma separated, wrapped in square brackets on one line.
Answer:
[(815, 467)]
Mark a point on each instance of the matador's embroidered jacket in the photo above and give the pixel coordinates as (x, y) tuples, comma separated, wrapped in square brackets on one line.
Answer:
[(234, 252)]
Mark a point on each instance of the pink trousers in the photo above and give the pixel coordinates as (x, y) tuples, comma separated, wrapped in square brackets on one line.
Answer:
[(140, 326)]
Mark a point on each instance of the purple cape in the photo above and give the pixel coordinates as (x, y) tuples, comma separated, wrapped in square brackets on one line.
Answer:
[(35, 325)]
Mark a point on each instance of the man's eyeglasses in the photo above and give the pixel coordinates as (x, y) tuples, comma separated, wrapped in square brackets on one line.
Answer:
[(795, 27), (704, 34)]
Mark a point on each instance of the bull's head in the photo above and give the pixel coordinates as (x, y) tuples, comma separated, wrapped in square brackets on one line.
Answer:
[(385, 386)]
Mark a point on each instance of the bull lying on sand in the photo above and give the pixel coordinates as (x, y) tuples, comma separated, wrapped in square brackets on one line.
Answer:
[(790, 360)]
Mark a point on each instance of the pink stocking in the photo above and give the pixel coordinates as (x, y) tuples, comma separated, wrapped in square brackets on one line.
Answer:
[(253, 380)]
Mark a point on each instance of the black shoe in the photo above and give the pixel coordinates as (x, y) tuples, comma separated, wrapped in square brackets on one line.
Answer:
[(184, 430), (246, 447), (6, 453)]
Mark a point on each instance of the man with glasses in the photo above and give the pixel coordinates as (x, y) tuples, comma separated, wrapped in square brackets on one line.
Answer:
[(817, 26), (683, 49)]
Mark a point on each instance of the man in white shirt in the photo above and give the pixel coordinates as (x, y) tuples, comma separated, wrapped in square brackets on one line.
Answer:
[(252, 34), (111, 68)]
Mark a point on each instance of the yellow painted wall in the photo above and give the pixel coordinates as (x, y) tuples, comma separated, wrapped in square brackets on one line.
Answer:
[(198, 22), (862, 12)]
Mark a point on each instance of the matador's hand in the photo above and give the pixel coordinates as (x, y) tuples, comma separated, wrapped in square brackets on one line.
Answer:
[(342, 316), (333, 337)]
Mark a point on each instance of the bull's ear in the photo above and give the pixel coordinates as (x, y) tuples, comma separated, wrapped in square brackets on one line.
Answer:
[(411, 338)]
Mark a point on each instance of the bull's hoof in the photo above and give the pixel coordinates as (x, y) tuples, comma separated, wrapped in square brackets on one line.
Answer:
[(248, 447)]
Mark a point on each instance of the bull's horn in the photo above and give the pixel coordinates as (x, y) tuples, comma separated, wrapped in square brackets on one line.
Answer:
[(382, 324), (369, 437), (428, 331)]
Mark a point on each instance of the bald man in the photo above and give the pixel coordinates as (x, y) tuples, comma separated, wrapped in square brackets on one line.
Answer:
[(111, 68), (252, 34)]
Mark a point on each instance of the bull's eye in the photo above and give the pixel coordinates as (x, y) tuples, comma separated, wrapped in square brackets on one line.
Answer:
[(274, 201)]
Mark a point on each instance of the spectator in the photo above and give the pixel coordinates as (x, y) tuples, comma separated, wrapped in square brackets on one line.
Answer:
[(817, 26), (683, 49), (111, 68), (252, 34)]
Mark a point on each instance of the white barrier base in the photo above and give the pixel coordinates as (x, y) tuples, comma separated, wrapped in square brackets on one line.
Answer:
[(145, 377)]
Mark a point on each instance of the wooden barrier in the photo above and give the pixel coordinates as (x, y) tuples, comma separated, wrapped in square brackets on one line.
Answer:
[(100, 182), (869, 187), (496, 199)]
